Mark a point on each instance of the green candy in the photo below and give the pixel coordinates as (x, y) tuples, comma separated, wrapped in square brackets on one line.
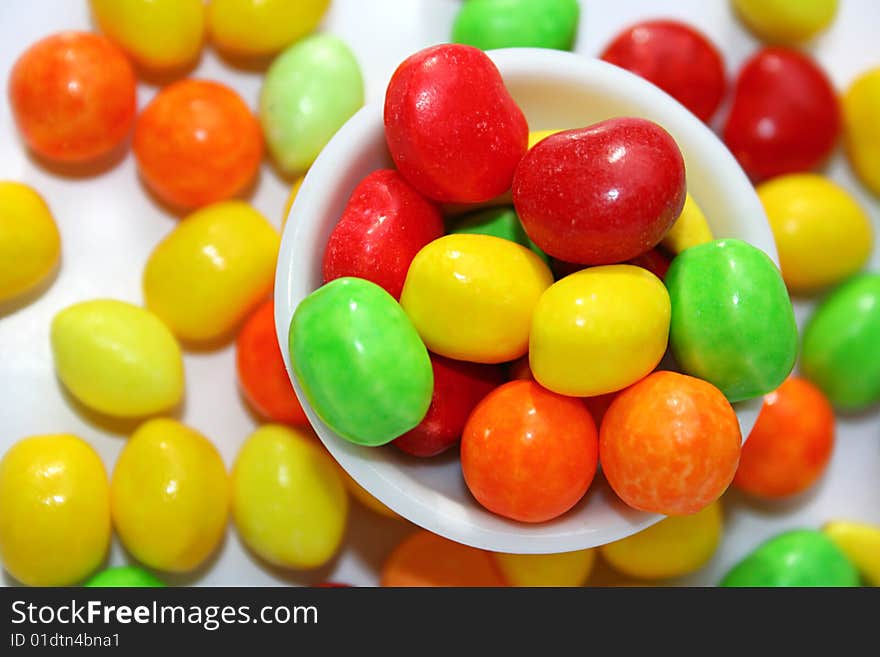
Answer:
[(498, 222), (732, 321), (796, 558), (363, 367), (124, 576), (841, 352), (310, 90), (490, 24)]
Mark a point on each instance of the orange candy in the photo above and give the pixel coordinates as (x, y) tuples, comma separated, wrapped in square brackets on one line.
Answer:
[(670, 444), (261, 372), (196, 143), (790, 444), (73, 96), (425, 559), (527, 453)]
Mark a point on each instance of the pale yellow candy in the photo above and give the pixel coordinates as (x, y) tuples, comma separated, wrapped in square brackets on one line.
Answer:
[(204, 278), (117, 358), (29, 241), (540, 135), (690, 229), (675, 546), (564, 569), (861, 129), (786, 21), (288, 500), (860, 543), (362, 496)]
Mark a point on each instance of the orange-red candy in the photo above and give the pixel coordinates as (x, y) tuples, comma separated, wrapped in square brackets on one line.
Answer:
[(790, 444), (73, 96), (261, 372), (527, 453), (196, 143), (670, 444)]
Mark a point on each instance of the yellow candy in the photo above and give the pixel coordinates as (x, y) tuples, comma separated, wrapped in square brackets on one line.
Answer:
[(211, 270), (169, 496), (471, 297), (288, 206), (786, 21), (54, 510), (262, 27), (117, 358), (822, 234), (157, 34), (539, 135), (673, 547), (690, 229), (288, 500), (861, 129), (362, 496), (565, 569), (599, 330), (29, 241), (859, 542)]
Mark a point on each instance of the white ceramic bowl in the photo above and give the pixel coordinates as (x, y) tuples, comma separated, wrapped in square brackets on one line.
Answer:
[(555, 90)]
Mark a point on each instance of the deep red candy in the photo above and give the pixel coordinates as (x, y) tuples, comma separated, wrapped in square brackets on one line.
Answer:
[(458, 387), (655, 261), (601, 194), (675, 57), (454, 131), (384, 225), (784, 117)]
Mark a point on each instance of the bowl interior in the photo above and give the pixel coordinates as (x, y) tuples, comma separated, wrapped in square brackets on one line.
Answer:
[(555, 90)]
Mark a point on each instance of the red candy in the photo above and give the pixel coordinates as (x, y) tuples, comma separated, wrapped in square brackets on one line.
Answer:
[(73, 96), (458, 387), (528, 453), (676, 58), (452, 128), (601, 194), (785, 115), (655, 261), (384, 225)]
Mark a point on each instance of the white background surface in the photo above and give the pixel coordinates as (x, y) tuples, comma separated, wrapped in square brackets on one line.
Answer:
[(109, 226)]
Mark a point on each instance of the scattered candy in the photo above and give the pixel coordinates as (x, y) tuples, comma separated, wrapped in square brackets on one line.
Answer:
[(252, 28), (564, 569), (796, 558), (310, 90), (453, 129), (360, 361), (860, 543), (674, 547), (226, 253), (528, 453), (117, 358), (784, 117), (841, 350), (861, 106), (169, 496), (690, 229), (628, 176), (288, 501), (364, 498), (196, 143), (471, 297), (425, 559), (499, 222), (156, 34), (670, 444), (124, 577), (786, 21), (491, 24), (73, 97), (675, 57), (732, 321), (586, 340), (29, 242)]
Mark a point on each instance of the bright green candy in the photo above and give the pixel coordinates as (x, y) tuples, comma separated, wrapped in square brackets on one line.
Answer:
[(489, 24), (797, 558), (360, 361), (498, 222), (310, 90), (841, 351), (732, 320), (124, 576)]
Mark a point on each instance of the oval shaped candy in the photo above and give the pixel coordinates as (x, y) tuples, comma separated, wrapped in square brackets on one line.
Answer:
[(861, 106), (601, 194), (841, 350), (562, 569), (500, 222), (491, 24), (360, 361), (254, 28), (124, 577), (786, 21), (732, 320), (453, 129), (860, 542)]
